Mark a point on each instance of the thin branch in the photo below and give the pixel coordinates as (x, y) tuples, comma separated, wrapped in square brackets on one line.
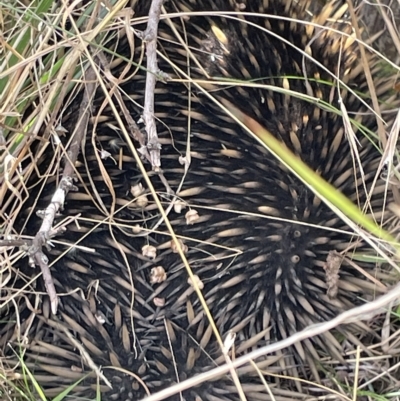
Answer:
[(150, 37), (35, 252), (133, 128)]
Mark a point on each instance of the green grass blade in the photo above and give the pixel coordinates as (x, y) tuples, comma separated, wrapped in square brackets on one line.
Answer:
[(36, 385), (321, 187), (43, 6), (64, 393)]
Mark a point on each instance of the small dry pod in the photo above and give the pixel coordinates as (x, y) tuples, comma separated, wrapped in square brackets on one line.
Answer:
[(197, 280), (191, 216), (137, 190), (157, 275), (179, 205), (174, 246), (142, 201), (136, 229), (149, 251)]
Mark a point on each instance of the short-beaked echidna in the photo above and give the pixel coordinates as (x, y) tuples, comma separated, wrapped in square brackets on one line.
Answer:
[(260, 238)]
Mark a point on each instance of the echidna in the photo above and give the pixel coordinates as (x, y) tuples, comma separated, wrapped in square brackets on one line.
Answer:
[(258, 238)]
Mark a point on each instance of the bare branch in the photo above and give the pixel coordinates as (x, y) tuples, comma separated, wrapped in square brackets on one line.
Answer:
[(35, 252), (150, 37)]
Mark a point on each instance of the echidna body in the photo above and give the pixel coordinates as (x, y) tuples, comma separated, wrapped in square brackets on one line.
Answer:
[(261, 239)]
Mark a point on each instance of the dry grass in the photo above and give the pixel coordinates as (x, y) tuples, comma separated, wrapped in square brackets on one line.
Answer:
[(41, 75)]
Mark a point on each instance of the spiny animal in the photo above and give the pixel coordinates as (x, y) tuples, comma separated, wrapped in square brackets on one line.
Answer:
[(256, 238)]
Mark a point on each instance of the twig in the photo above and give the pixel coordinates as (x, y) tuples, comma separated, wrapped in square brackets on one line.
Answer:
[(150, 37), (132, 126), (25, 244), (35, 252), (363, 312), (14, 242), (114, 90)]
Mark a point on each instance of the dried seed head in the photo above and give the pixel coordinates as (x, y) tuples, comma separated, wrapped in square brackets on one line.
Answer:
[(137, 229), (197, 280), (137, 190), (157, 275), (191, 216), (174, 246), (179, 205), (142, 201), (149, 251)]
